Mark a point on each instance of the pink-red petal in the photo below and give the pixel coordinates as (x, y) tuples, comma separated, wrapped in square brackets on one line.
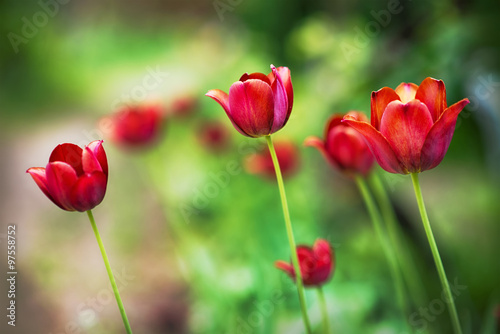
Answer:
[(61, 177), (405, 126), (432, 93), (439, 137), (284, 73), (88, 191), (256, 75), (223, 99), (252, 107), (379, 101), (98, 151), (69, 153), (39, 176), (378, 144), (280, 102)]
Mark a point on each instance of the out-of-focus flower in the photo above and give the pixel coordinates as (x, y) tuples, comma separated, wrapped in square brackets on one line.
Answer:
[(214, 136), (343, 147), (183, 106), (317, 264), (261, 163), (136, 126), (75, 179), (411, 127), (258, 104)]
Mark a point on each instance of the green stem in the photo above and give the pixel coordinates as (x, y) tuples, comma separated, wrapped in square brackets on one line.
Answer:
[(324, 310), (291, 240), (110, 273), (435, 254), (406, 263), (391, 259)]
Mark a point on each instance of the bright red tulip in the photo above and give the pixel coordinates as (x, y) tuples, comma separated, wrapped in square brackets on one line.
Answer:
[(258, 104), (411, 127), (136, 126), (262, 163), (343, 147), (317, 264), (74, 179)]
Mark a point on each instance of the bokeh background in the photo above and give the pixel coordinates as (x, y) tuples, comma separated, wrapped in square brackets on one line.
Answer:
[(189, 262)]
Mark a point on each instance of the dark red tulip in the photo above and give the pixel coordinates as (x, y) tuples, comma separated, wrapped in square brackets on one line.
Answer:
[(317, 264), (261, 163), (136, 126), (343, 147), (411, 127), (183, 106), (258, 104), (214, 135), (75, 179)]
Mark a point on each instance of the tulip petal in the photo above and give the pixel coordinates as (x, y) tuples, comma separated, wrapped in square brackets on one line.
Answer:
[(280, 102), (100, 154), (320, 146), (223, 99), (378, 144), (379, 101), (39, 176), (284, 73), (256, 75), (286, 267), (406, 91), (90, 161), (348, 149), (439, 137), (251, 106), (61, 177), (406, 126), (432, 93), (88, 191), (69, 153)]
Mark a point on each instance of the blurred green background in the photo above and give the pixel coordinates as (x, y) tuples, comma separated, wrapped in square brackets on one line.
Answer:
[(193, 265)]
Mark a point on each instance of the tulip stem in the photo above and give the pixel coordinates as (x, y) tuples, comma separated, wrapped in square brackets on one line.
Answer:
[(435, 254), (324, 310), (403, 254), (388, 251), (291, 240), (110, 273)]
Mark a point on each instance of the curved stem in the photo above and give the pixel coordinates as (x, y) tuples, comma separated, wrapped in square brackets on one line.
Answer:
[(110, 273), (291, 240), (391, 259), (406, 263), (324, 310), (435, 254)]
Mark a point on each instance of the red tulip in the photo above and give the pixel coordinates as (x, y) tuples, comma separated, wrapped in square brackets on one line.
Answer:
[(411, 127), (136, 126), (214, 135), (183, 106), (343, 147), (262, 163), (316, 264), (74, 179), (258, 104)]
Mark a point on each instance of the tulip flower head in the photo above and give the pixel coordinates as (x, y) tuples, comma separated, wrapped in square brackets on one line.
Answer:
[(75, 179), (136, 126), (261, 163), (411, 127), (343, 147), (214, 136), (258, 104), (317, 264)]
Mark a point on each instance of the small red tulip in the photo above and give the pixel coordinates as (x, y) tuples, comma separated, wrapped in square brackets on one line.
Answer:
[(317, 264), (262, 163), (183, 106), (343, 147), (411, 127), (214, 135), (136, 126), (74, 179), (258, 104)]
